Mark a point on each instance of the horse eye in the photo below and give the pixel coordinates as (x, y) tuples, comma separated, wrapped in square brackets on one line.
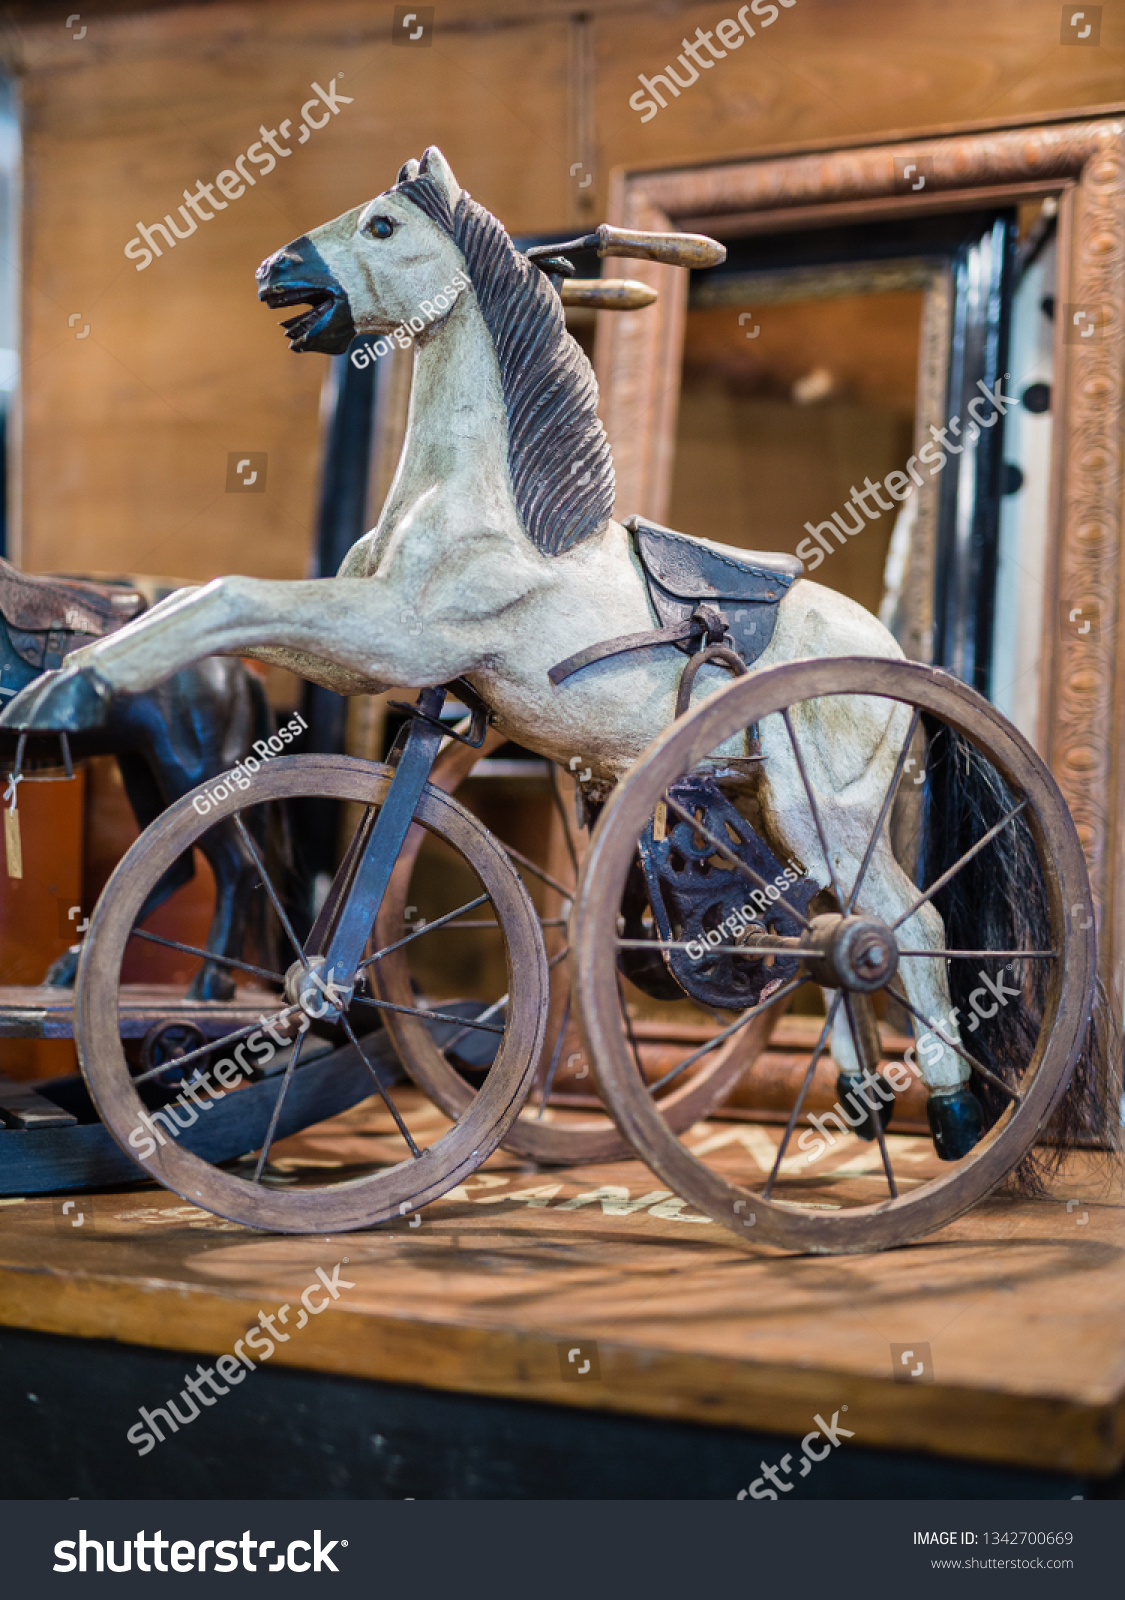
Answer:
[(380, 227)]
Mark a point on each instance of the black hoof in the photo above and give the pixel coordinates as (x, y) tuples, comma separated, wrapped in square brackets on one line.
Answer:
[(853, 1096), (212, 983), (61, 973), (956, 1122), (70, 700)]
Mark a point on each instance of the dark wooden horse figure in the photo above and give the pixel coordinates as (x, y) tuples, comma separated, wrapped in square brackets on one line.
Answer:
[(187, 730)]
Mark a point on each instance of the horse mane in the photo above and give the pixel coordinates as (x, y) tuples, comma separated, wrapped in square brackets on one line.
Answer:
[(559, 459)]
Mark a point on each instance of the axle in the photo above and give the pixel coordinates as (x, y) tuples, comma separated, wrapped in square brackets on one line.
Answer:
[(854, 953)]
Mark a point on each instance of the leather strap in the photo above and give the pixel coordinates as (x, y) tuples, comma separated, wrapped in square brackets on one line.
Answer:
[(717, 653), (705, 621)]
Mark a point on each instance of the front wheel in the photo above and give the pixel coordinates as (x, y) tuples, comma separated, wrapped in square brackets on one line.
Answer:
[(513, 1030)]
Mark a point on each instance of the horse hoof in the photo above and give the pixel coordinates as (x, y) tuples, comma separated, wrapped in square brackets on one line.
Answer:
[(70, 700), (851, 1084), (956, 1122), (211, 983), (61, 973)]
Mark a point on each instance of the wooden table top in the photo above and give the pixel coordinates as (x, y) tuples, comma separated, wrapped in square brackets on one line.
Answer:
[(1021, 1303)]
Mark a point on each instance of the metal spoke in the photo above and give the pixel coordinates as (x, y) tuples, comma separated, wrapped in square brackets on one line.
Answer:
[(957, 865), (561, 809), (489, 1011), (721, 1038), (553, 1068), (987, 955), (813, 807), (438, 922), (216, 1044), (854, 1030), (888, 802), (629, 1030), (544, 877), (384, 1096), (736, 862), (282, 915), (544, 922), (480, 922), (275, 1117), (496, 1005), (429, 1016), (977, 1066), (754, 952), (206, 955), (800, 1100)]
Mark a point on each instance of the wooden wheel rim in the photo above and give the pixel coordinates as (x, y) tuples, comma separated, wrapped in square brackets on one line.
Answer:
[(358, 1202), (548, 1143), (1070, 989)]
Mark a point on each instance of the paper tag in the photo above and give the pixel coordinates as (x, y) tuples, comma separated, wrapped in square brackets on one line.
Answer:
[(660, 822), (13, 844)]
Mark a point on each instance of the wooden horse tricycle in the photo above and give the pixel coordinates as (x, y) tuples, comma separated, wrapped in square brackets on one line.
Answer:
[(742, 848)]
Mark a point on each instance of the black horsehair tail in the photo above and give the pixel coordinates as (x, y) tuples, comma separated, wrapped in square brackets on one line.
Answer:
[(999, 901)]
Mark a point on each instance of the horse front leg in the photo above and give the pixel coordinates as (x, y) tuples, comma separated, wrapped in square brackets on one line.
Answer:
[(350, 627)]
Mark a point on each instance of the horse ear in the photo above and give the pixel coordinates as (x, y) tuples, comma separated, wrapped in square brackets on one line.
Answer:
[(408, 170), (434, 165)]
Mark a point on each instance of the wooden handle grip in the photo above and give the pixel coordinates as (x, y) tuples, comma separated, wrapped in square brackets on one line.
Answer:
[(607, 294), (674, 249)]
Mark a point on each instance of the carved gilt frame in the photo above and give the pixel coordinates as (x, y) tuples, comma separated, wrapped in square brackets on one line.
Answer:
[(1082, 163)]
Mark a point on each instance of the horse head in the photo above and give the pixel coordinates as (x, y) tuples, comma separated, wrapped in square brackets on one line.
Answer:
[(423, 257), (381, 266)]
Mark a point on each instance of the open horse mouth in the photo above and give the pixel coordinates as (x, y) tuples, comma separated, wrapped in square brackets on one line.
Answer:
[(308, 324), (296, 276)]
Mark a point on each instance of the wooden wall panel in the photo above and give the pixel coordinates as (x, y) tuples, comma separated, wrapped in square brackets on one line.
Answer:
[(829, 71), (126, 432)]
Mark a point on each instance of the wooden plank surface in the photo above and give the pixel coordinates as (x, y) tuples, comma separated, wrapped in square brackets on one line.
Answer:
[(37, 1012), (1022, 1304), (21, 1107)]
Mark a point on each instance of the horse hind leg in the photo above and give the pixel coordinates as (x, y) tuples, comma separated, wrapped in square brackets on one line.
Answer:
[(953, 1111), (850, 749)]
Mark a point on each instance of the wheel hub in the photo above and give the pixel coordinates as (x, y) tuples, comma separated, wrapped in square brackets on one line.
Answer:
[(321, 997), (857, 953)]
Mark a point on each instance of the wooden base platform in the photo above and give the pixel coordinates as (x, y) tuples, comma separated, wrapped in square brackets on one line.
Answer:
[(1016, 1313), (40, 1012)]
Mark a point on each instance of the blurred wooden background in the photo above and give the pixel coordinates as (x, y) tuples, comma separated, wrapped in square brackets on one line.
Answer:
[(121, 449)]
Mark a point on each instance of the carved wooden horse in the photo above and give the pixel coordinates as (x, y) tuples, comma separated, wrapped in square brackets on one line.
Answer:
[(498, 541), (180, 732)]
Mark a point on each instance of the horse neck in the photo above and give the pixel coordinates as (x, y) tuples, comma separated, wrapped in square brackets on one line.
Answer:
[(457, 428)]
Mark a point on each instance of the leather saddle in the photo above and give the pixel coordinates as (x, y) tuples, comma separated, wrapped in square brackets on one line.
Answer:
[(702, 594), (48, 617)]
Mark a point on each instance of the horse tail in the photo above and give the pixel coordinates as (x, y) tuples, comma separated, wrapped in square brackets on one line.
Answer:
[(998, 900)]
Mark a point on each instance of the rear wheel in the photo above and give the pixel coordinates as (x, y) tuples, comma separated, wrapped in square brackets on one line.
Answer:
[(871, 932)]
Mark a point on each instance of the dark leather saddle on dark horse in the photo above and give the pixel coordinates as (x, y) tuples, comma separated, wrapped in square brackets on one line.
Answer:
[(48, 617), (711, 604)]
